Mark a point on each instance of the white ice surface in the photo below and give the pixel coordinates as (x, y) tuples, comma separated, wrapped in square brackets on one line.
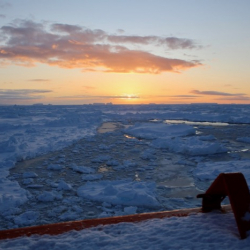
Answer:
[(11, 195), (82, 169), (29, 131), (210, 170), (189, 146), (173, 137), (159, 130), (201, 231), (121, 192)]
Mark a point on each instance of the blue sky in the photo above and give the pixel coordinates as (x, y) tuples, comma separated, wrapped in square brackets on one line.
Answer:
[(212, 68)]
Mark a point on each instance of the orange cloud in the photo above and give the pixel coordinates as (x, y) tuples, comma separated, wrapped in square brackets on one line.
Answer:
[(72, 46)]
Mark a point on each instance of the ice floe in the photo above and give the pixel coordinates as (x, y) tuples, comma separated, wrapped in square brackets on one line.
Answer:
[(190, 146), (156, 130), (121, 192), (210, 170)]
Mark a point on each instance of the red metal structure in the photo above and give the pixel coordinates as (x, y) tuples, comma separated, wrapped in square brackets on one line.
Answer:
[(235, 187)]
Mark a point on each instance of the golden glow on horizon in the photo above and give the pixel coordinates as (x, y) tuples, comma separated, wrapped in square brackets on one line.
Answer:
[(75, 87), (55, 59)]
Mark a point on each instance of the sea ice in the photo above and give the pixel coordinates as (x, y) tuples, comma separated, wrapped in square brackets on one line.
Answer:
[(158, 130), (28, 181), (56, 167), (62, 185), (121, 192), (29, 175), (189, 145), (69, 215), (46, 196), (210, 170), (130, 210), (112, 162), (244, 139), (11, 195), (82, 169), (27, 132), (101, 159), (27, 218), (92, 177)]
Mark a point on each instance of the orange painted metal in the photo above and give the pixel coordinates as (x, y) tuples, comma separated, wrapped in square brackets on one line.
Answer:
[(59, 228), (234, 186)]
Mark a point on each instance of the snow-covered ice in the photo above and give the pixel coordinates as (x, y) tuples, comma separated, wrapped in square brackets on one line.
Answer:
[(156, 130), (61, 163), (121, 192), (189, 146), (209, 170), (201, 231)]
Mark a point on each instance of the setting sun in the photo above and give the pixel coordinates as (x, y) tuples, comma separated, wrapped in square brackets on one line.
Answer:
[(60, 59)]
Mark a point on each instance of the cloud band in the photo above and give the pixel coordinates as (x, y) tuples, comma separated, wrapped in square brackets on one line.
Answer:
[(70, 46)]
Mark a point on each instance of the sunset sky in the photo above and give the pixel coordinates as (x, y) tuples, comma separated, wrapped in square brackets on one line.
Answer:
[(124, 52)]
